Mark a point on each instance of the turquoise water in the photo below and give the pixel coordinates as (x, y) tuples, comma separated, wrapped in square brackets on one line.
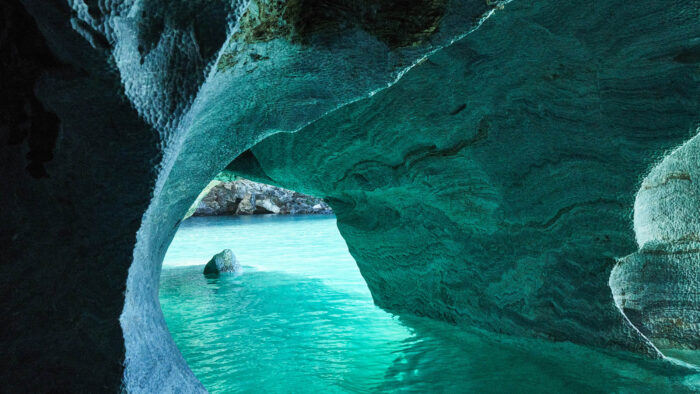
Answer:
[(300, 319)]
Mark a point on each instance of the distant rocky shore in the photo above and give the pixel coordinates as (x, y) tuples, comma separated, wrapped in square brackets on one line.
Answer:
[(244, 197)]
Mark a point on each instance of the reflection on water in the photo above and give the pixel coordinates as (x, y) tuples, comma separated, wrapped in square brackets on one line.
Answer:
[(445, 358), (300, 319)]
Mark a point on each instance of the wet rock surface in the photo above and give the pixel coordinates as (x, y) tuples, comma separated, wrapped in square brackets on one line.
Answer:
[(145, 121), (518, 182), (222, 262)]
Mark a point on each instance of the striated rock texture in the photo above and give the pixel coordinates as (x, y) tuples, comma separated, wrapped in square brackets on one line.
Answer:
[(244, 197), (518, 181), (224, 261), (129, 116), (482, 159)]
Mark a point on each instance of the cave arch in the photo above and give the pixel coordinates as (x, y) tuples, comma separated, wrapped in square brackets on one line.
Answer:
[(510, 155), (220, 123), (511, 231)]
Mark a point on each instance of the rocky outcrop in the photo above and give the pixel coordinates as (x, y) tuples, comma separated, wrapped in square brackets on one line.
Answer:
[(244, 197), (224, 261)]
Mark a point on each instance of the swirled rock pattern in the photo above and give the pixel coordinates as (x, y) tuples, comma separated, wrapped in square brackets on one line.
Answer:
[(129, 116), (482, 158), (519, 177)]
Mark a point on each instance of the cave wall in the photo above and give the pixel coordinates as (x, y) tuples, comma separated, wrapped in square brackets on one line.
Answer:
[(490, 184), (76, 170), (494, 185), (255, 88), (117, 114)]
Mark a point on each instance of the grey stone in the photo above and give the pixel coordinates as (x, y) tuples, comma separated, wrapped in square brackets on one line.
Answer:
[(224, 261), (657, 287), (247, 205), (245, 197)]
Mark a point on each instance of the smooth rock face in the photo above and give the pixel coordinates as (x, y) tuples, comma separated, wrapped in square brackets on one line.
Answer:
[(657, 287), (224, 261), (492, 186), (244, 197)]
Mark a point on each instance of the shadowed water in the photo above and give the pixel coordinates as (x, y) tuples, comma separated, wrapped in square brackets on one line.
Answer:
[(301, 319)]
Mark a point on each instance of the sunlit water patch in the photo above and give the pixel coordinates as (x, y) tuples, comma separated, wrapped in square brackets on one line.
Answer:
[(300, 319)]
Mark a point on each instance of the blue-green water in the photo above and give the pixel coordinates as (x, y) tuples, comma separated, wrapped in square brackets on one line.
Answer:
[(300, 319)]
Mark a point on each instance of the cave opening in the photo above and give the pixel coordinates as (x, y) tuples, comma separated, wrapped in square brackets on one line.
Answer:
[(294, 314)]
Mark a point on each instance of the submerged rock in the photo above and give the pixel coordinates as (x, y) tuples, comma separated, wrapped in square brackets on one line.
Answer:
[(224, 261)]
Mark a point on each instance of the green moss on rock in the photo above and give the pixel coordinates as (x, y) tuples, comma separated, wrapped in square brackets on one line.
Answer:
[(397, 23)]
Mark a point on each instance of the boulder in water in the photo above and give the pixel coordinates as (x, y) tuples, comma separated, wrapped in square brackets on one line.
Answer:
[(225, 261)]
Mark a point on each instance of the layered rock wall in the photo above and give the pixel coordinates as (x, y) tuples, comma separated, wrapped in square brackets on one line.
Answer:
[(491, 184), (528, 140)]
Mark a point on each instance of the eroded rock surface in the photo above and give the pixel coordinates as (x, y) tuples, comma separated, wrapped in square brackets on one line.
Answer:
[(492, 186), (130, 117), (517, 182), (658, 287)]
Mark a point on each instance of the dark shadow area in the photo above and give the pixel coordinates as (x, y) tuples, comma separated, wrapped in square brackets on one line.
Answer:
[(24, 57)]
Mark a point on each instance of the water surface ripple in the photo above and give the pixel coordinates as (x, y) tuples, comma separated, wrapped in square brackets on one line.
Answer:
[(300, 319)]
